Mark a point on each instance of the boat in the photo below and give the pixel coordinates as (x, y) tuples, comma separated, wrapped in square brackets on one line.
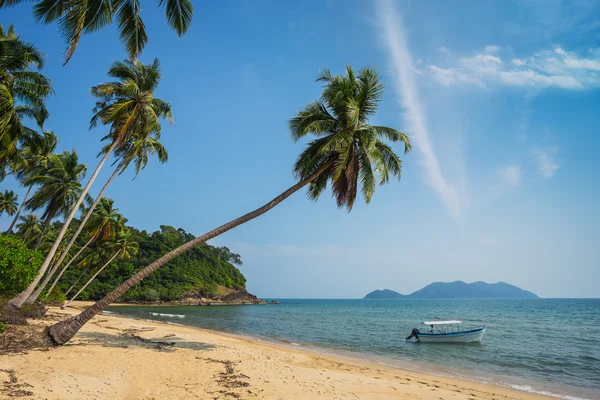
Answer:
[(446, 332)]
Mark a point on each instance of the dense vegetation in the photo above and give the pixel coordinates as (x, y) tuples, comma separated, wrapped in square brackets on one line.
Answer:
[(85, 239), (198, 272)]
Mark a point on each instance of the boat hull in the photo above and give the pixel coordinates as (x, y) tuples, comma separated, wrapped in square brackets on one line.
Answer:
[(454, 337)]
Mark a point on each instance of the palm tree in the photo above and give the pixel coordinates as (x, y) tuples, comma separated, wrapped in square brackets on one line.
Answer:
[(60, 189), (105, 220), (22, 93), (122, 246), (29, 228), (131, 110), (32, 157), (347, 153), (8, 202), (77, 18)]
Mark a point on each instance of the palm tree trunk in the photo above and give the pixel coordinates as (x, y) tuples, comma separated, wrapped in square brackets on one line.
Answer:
[(92, 278), (18, 300), (77, 281), (42, 233), (63, 331), (67, 266), (37, 291), (20, 210)]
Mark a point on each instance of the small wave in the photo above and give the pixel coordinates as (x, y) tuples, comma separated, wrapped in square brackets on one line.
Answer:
[(107, 312), (167, 315), (173, 323), (527, 388)]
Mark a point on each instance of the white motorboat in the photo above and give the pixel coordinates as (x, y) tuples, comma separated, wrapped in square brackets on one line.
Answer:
[(446, 332)]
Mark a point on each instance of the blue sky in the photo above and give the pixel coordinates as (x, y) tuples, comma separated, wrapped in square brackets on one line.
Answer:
[(500, 98)]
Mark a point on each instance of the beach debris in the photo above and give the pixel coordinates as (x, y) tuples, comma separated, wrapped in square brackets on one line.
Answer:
[(229, 379), (157, 345), (12, 387)]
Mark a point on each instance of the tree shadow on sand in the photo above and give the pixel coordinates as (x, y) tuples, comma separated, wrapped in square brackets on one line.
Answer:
[(129, 338)]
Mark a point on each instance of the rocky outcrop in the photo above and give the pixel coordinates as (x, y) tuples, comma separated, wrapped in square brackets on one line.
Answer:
[(225, 297)]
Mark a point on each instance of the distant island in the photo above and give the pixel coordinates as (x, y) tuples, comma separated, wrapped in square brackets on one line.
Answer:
[(459, 290)]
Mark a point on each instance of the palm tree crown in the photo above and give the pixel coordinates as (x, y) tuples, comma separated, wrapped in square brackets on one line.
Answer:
[(8, 202), (78, 17), (29, 228), (60, 185), (22, 93), (128, 105), (355, 151)]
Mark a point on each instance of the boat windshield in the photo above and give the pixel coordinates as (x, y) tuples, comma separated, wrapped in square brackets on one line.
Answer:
[(443, 326)]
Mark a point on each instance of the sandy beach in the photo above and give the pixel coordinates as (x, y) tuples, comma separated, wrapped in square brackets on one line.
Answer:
[(120, 358)]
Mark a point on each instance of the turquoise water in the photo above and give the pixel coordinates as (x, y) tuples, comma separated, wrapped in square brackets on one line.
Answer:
[(548, 346)]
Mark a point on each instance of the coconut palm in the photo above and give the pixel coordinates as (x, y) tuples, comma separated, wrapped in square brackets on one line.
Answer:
[(130, 108), (8, 202), (29, 228), (60, 189), (22, 93), (30, 158), (77, 18), (347, 153), (123, 247), (104, 222)]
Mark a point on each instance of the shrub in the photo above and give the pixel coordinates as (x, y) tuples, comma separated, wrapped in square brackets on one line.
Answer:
[(2, 327), (56, 297), (18, 265)]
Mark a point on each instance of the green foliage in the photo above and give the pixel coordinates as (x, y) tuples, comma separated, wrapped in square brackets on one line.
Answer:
[(200, 271), (56, 297), (18, 265), (2, 327)]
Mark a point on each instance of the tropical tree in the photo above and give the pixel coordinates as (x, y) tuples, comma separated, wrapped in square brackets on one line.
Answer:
[(77, 18), (128, 105), (22, 93), (104, 222), (122, 246), (30, 158), (29, 228), (348, 152), (8, 202)]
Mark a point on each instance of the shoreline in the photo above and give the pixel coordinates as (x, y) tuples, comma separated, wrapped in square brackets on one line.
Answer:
[(118, 357), (420, 367)]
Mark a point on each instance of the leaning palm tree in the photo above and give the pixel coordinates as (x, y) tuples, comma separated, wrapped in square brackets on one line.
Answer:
[(78, 17), (60, 189), (105, 220), (22, 93), (29, 228), (130, 108), (122, 246), (32, 157), (8, 202), (348, 153)]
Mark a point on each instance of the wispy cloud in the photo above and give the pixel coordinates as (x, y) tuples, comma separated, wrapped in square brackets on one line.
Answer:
[(546, 162), (550, 68), (404, 81), (511, 175)]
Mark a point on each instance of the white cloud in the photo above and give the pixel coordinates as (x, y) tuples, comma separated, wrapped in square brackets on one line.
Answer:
[(511, 175), (404, 81), (443, 50), (491, 49), (550, 68), (546, 163)]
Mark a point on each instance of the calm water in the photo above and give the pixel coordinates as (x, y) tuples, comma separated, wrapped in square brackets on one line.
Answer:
[(545, 345)]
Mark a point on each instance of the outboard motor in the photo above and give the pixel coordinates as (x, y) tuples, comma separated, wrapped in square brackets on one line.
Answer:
[(414, 334)]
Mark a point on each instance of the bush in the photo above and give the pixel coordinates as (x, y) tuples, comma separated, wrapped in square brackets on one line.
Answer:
[(18, 265), (2, 327), (56, 297)]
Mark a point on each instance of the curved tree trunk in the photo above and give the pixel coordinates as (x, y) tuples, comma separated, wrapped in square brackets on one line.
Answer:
[(63, 331), (18, 300), (10, 228), (62, 271), (77, 281), (38, 290), (92, 278)]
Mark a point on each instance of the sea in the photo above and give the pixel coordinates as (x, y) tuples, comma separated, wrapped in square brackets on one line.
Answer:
[(546, 346)]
